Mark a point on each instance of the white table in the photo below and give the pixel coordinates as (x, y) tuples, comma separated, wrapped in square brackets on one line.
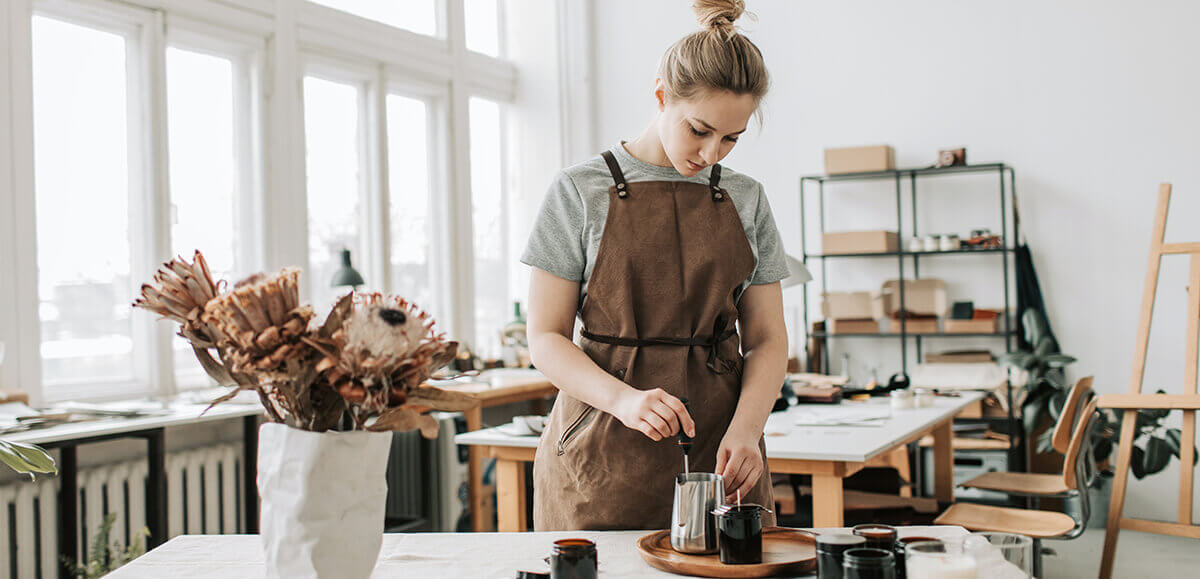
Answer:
[(828, 453), (442, 555), (67, 437)]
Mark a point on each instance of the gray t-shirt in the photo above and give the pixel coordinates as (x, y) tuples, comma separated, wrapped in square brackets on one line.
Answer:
[(568, 228)]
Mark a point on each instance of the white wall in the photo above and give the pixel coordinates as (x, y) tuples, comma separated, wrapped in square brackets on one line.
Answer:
[(1093, 103)]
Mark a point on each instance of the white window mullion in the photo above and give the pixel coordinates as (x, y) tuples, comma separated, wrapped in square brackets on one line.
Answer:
[(150, 244), (460, 226), (285, 208), (374, 161), (18, 240)]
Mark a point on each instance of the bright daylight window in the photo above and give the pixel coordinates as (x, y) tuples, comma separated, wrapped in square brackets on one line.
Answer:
[(333, 162), (203, 175), (82, 181), (483, 26), (409, 206), (487, 213), (418, 16)]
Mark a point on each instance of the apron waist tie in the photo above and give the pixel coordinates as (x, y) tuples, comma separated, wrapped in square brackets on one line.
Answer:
[(710, 342)]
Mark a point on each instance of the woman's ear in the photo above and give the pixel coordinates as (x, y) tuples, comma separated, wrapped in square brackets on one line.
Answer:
[(660, 93)]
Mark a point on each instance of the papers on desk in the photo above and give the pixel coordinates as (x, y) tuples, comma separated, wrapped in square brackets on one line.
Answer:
[(843, 415)]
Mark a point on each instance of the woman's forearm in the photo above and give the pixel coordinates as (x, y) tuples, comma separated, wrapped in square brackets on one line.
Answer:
[(573, 372), (762, 378)]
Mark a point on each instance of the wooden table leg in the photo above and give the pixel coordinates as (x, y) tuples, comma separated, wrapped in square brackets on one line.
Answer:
[(828, 502), (510, 496), (943, 462), (479, 523)]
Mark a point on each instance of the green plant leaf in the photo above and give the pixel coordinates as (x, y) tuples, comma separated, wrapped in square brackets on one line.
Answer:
[(1058, 360), (1020, 360), (1137, 463), (1035, 325), (1045, 441), (1174, 438), (1157, 456)]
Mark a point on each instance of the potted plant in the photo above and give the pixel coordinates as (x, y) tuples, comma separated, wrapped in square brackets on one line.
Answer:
[(332, 392), (1042, 377)]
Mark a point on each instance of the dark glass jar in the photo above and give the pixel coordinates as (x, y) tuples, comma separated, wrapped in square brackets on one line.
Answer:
[(830, 548), (573, 559), (902, 555), (739, 534), (868, 564), (877, 536)]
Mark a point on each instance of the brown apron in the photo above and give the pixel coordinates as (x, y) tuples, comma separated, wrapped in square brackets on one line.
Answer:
[(660, 312)]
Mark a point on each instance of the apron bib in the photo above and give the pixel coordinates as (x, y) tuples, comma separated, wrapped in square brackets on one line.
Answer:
[(660, 312)]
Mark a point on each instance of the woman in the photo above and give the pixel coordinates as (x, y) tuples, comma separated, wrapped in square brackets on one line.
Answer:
[(660, 251)]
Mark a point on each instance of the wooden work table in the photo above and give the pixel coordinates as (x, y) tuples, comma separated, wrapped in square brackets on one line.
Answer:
[(829, 453), (496, 388)]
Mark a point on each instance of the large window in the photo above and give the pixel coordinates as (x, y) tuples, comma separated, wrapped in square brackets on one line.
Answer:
[(492, 309), (204, 174), (409, 209), (82, 174), (249, 131), (419, 16), (333, 162)]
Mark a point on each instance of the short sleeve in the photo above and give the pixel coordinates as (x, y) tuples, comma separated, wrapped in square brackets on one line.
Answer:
[(772, 261), (556, 240)]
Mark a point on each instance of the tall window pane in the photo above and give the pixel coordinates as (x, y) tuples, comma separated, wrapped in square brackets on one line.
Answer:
[(487, 212), (408, 208), (419, 16), (203, 170), (483, 26), (82, 185), (331, 125)]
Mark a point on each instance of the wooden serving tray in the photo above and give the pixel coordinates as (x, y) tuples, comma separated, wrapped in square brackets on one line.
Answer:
[(785, 551)]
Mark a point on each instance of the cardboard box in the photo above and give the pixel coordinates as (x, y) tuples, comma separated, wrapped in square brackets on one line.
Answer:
[(854, 326), (876, 241), (971, 326), (915, 326), (852, 305), (926, 297), (859, 159)]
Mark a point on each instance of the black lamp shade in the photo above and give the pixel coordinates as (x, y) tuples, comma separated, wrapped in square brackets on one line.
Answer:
[(346, 275)]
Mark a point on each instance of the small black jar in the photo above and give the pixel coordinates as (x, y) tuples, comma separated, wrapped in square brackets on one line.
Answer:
[(739, 534), (573, 559), (868, 564), (830, 548)]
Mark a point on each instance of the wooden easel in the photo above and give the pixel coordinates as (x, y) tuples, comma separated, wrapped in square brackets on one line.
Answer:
[(1129, 404)]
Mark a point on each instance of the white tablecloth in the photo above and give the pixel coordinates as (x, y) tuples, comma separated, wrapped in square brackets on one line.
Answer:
[(419, 555)]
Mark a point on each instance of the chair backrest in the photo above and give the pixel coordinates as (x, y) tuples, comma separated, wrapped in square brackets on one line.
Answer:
[(1077, 464), (1076, 398)]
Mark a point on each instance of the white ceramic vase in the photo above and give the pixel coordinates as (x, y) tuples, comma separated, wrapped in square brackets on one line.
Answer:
[(323, 499)]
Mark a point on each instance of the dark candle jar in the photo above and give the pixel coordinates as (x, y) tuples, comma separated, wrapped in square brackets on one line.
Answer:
[(902, 555), (829, 553), (573, 559), (868, 564), (739, 534), (877, 536)]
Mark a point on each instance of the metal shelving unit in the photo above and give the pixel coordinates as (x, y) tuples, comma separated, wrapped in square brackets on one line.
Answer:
[(1006, 178)]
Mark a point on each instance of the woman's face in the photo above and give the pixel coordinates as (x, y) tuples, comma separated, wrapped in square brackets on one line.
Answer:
[(701, 130)]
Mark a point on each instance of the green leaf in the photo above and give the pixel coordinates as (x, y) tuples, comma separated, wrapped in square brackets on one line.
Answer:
[(26, 458), (1136, 464), (1059, 360), (1045, 441), (1157, 456), (1035, 325), (1173, 439), (1021, 360)]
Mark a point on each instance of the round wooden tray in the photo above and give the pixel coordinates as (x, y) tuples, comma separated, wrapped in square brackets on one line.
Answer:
[(785, 551)]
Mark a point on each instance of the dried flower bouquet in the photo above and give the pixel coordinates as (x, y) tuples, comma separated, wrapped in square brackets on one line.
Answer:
[(368, 359)]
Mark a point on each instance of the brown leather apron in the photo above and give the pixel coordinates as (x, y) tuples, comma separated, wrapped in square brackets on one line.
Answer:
[(660, 312)]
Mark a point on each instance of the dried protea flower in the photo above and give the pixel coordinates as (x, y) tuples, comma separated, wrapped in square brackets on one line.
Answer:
[(383, 349), (180, 293), (263, 323)]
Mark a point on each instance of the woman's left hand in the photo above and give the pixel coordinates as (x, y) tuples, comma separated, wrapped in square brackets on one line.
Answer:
[(740, 462)]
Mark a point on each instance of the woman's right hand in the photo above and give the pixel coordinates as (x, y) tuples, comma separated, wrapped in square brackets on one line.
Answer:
[(654, 413)]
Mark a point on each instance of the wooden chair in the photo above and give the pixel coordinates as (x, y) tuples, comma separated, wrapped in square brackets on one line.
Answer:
[(1039, 484), (1035, 523)]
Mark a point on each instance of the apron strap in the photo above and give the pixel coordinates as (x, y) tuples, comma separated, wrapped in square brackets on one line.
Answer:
[(714, 362), (714, 181), (617, 175)]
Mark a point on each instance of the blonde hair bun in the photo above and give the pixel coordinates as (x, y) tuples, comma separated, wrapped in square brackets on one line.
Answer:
[(719, 15)]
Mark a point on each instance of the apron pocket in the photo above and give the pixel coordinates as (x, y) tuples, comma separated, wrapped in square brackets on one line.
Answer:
[(575, 428)]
